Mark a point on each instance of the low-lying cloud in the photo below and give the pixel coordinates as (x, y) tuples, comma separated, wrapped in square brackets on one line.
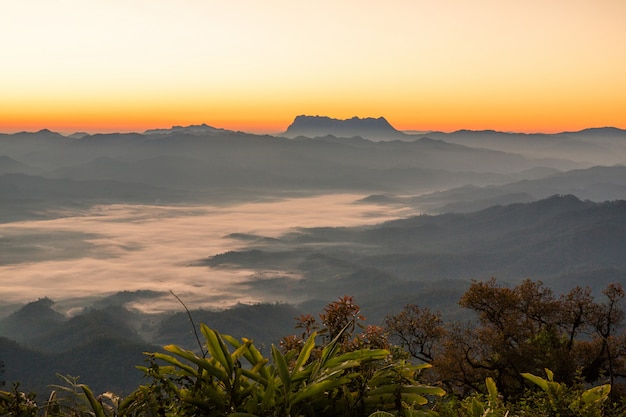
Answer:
[(115, 248)]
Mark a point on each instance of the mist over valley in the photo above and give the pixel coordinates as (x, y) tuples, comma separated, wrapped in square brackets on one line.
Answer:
[(97, 230)]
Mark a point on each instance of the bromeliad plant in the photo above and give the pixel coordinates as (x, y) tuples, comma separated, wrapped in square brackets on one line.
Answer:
[(235, 379), (565, 401)]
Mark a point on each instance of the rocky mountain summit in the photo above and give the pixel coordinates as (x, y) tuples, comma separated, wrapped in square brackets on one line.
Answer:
[(367, 128)]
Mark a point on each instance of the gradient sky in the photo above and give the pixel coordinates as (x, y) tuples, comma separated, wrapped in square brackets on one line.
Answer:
[(130, 65)]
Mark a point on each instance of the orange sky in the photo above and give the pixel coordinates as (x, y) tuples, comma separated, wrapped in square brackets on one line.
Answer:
[(131, 65)]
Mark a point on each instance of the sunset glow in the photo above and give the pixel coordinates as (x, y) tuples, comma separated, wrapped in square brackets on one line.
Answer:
[(94, 66)]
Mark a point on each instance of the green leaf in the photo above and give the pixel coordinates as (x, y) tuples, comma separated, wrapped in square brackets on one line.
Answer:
[(240, 351), (381, 414), (283, 370), (411, 398), (331, 349), (201, 362), (318, 389), (252, 355), (217, 348), (361, 355), (424, 390), (492, 389), (385, 389), (542, 383), (268, 397), (305, 353), (93, 402), (596, 394), (478, 409), (169, 359)]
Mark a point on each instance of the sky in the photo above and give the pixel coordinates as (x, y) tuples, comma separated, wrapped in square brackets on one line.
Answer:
[(131, 65)]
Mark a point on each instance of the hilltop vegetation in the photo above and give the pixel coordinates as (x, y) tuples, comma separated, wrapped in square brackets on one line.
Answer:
[(336, 365)]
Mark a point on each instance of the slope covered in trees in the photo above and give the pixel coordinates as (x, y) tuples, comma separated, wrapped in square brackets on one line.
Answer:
[(337, 365)]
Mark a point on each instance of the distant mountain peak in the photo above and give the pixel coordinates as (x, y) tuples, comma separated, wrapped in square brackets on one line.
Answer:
[(202, 129), (319, 126)]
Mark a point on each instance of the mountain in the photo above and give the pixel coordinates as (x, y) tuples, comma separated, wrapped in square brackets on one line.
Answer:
[(598, 146), (28, 147), (319, 126), (37, 342), (199, 130), (266, 324), (81, 330), (33, 188), (31, 320), (35, 197), (546, 240), (598, 183), (105, 364), (10, 165)]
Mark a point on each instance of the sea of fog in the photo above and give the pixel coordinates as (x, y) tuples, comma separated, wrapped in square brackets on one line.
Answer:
[(111, 248)]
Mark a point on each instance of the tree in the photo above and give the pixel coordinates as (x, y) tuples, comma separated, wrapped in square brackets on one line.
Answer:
[(416, 329), (520, 329)]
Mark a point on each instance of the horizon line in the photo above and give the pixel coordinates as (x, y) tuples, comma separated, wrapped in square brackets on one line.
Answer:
[(266, 132)]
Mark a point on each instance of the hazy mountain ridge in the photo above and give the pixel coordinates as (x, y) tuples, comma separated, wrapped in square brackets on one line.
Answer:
[(11, 166), (543, 239), (202, 129), (597, 183), (189, 164), (319, 126), (589, 146), (429, 259), (103, 350)]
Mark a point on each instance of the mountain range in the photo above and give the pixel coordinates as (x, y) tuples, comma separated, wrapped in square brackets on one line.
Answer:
[(543, 206), (200, 163), (427, 260)]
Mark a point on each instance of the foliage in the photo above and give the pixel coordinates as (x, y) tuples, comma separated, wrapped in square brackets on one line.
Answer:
[(477, 404), (552, 400), (339, 366), (16, 403), (334, 382), (327, 370), (521, 329), (561, 400)]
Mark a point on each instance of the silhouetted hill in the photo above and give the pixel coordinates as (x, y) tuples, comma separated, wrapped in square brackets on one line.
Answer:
[(546, 240), (24, 365), (610, 132), (319, 126), (81, 330), (263, 323), (105, 364), (10, 165), (29, 196), (40, 327), (202, 129), (31, 148), (599, 183), (605, 146), (35, 187), (31, 320)]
